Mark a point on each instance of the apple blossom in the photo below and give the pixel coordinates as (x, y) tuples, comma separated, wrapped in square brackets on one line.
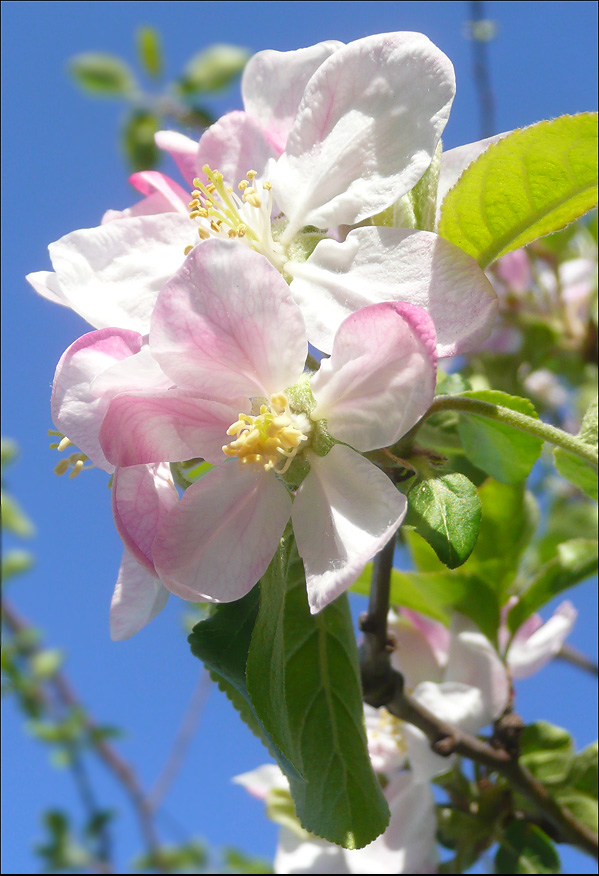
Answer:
[(331, 136), (535, 643), (227, 357)]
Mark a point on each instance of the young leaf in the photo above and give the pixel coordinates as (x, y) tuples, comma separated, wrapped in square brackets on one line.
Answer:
[(501, 451), (574, 469), (304, 682), (547, 751), (445, 511), (138, 140), (150, 50), (525, 848), (530, 183), (222, 642), (576, 560), (213, 69), (102, 75)]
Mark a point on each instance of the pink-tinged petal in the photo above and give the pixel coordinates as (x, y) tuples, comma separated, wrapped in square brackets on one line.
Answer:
[(111, 275), (138, 597), (455, 161), (408, 845), (436, 634), (378, 264), (458, 704), (150, 182), (531, 649), (273, 84), (46, 284), (141, 497), (226, 324), (182, 150), (365, 131), (413, 654), (76, 411), (234, 145), (515, 269), (381, 376), (297, 855), (260, 781), (137, 373), (168, 426), (219, 539), (474, 661), (343, 514)]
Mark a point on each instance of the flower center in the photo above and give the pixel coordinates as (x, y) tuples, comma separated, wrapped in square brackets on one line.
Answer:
[(271, 439), (221, 212)]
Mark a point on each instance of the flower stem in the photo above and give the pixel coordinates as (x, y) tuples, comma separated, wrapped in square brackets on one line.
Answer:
[(516, 420)]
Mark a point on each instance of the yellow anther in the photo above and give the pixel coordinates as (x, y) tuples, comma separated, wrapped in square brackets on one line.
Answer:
[(265, 440), (267, 185), (61, 467), (195, 214), (243, 184), (251, 174), (193, 203), (210, 188), (208, 204), (195, 193), (188, 249), (204, 235)]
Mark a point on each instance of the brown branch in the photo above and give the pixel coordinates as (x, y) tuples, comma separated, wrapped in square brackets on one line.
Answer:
[(383, 686), (577, 658), (106, 752)]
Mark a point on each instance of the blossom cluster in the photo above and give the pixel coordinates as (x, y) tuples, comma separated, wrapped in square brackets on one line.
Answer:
[(302, 227)]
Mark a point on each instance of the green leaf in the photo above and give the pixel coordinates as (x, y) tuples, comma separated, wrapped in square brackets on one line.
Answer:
[(222, 642), (547, 751), (445, 511), (576, 560), (508, 521), (150, 50), (9, 451), (525, 848), (575, 469), (238, 862), (584, 774), (15, 562), (102, 75), (304, 682), (501, 451), (213, 69), (14, 518), (532, 182), (582, 806), (138, 139)]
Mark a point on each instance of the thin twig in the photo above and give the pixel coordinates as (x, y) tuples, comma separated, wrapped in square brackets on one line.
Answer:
[(185, 734), (110, 757), (577, 658)]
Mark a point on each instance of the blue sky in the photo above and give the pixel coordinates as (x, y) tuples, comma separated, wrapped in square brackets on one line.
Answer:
[(61, 171)]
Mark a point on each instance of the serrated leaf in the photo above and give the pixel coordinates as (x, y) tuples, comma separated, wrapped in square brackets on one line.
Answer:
[(150, 50), (137, 140), (102, 75), (222, 642), (575, 469), (446, 511), (304, 682), (525, 848), (576, 560), (213, 69), (530, 183), (499, 450)]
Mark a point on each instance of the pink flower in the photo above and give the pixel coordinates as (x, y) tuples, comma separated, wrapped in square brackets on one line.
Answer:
[(535, 643), (226, 355), (331, 136)]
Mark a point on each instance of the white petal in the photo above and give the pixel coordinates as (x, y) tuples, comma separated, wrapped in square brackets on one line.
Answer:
[(260, 781), (408, 845), (529, 653), (273, 84), (343, 514), (377, 264), (413, 654), (46, 284), (455, 161), (138, 597), (111, 275), (381, 376), (366, 130), (474, 661), (234, 145), (297, 855)]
